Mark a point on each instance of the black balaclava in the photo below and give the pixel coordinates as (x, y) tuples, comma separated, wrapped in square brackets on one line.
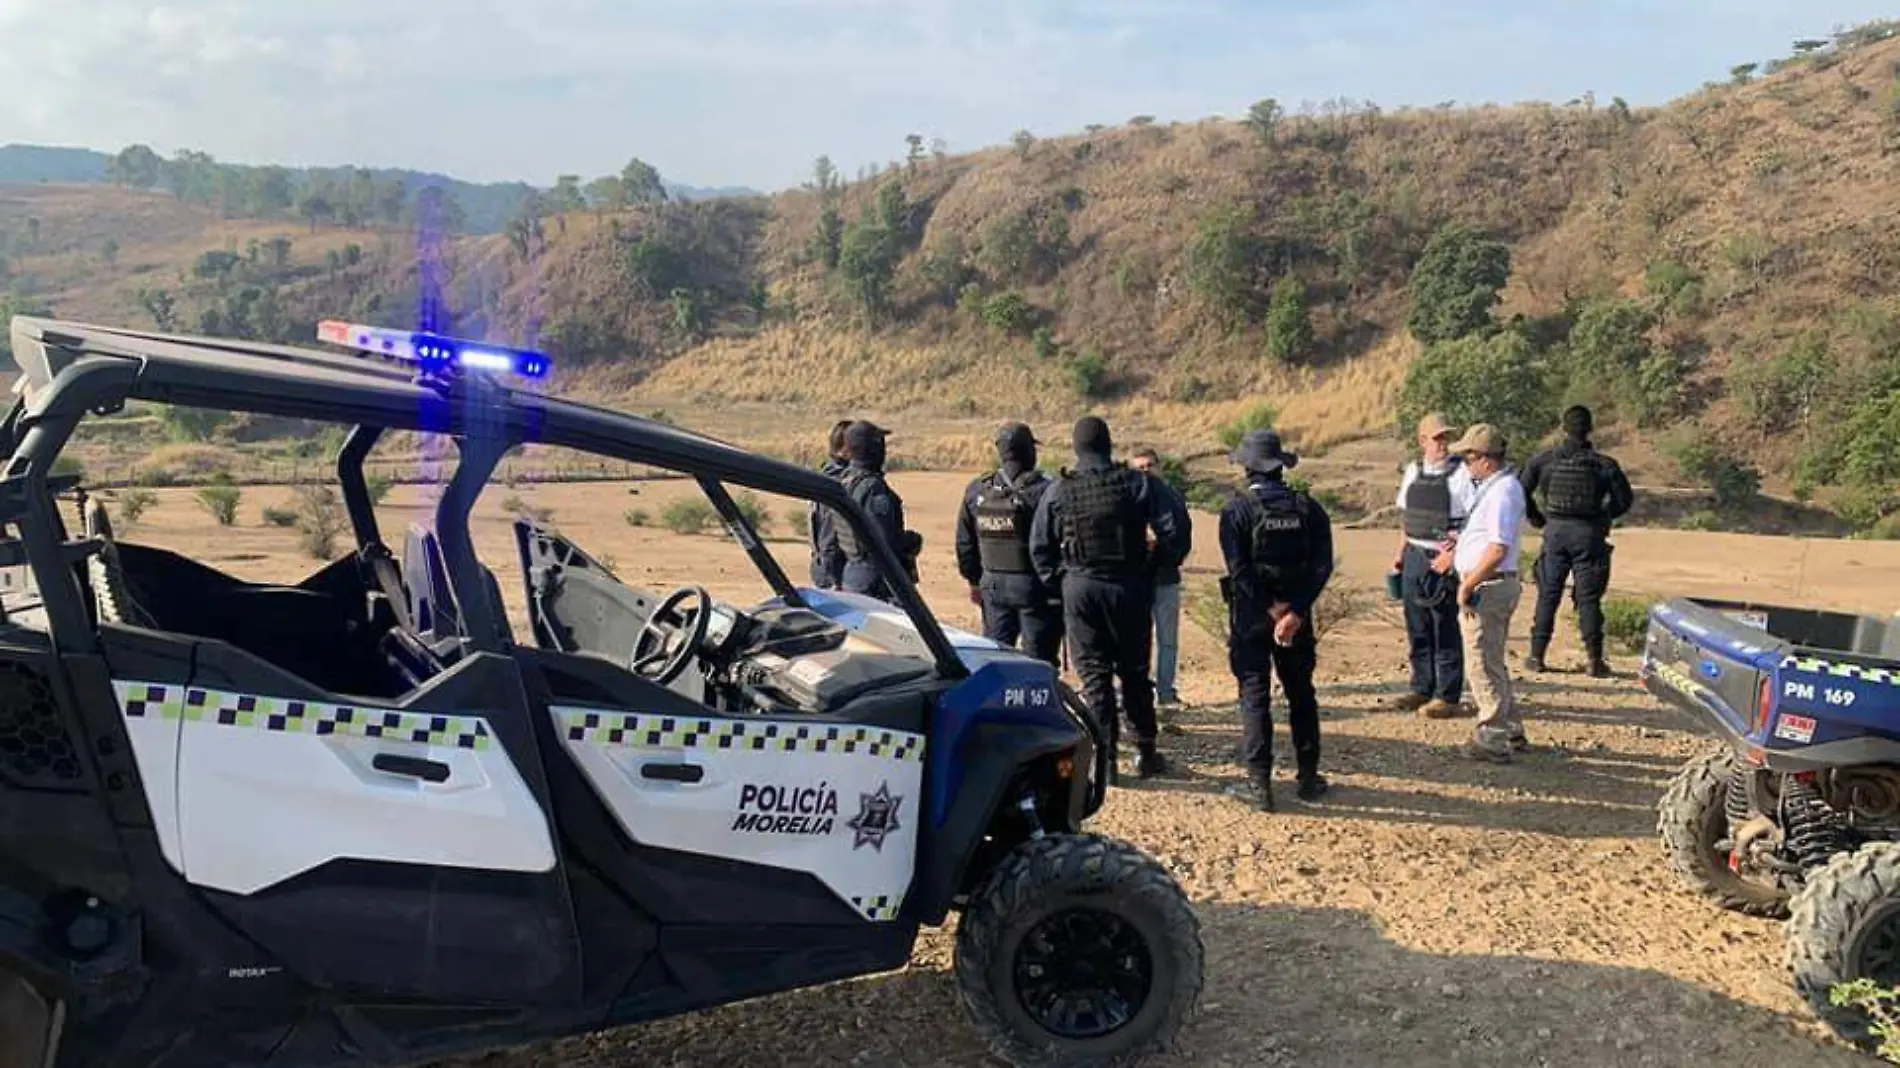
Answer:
[(1092, 441), (1577, 425)]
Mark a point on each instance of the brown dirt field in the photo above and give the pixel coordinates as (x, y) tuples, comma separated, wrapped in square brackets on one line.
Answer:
[(1431, 911)]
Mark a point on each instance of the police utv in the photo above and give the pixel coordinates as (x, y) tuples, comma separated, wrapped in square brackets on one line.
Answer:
[(360, 821)]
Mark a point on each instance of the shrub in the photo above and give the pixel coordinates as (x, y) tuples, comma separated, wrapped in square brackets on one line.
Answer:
[(1675, 287), (1221, 258), (1044, 340), (1878, 1003), (1784, 392), (1625, 622), (191, 424), (1207, 496), (221, 503), (1258, 417), (1456, 284), (1703, 521), (378, 487), (66, 464), (279, 517), (319, 520), (637, 517), (1701, 458), (688, 515), (1289, 326), (133, 503), (1862, 509), (757, 515), (1088, 373), (1886, 528), (1008, 312), (1500, 380)]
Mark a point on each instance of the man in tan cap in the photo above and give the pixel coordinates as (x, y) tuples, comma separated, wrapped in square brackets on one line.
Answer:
[(1485, 560), (1433, 495)]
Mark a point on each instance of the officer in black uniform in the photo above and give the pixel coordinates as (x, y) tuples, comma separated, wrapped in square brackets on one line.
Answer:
[(1583, 491), (827, 559), (1090, 539), (1278, 544), (993, 549), (864, 478)]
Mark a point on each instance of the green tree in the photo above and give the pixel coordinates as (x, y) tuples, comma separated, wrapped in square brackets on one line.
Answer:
[(893, 209), (109, 251), (136, 166), (641, 183), (944, 270), (1743, 73), (824, 177), (1025, 143), (439, 212), (1789, 390), (270, 190), (316, 208), (913, 151), (827, 240), (159, 304), (1221, 262), (1008, 312), (688, 317), (566, 195), (606, 194), (867, 259), (1499, 379), (279, 248), (1289, 325), (1264, 120), (391, 197), (1456, 284), (657, 266)]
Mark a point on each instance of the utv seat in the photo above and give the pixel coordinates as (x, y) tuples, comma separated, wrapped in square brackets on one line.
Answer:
[(110, 591)]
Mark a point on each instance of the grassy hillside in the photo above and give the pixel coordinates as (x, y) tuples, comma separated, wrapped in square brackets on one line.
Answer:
[(1717, 276)]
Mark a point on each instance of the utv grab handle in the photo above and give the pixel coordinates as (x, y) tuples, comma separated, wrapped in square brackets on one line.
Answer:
[(687, 773), (411, 767)]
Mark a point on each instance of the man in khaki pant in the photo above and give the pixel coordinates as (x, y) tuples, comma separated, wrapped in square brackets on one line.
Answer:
[(1486, 559)]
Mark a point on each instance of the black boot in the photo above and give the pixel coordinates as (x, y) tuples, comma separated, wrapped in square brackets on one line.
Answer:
[(1535, 661), (1599, 667), (1313, 787), (1149, 762), (1256, 791)]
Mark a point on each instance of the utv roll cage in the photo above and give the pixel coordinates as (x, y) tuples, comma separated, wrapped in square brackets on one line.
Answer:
[(70, 370)]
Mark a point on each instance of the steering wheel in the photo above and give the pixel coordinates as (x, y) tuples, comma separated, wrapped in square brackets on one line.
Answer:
[(659, 654)]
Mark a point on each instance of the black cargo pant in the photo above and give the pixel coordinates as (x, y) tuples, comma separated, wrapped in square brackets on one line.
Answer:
[(1580, 552), (1255, 659), (1037, 627), (1111, 636), (1436, 646)]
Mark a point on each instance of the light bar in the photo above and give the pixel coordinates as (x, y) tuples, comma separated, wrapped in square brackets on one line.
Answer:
[(433, 352)]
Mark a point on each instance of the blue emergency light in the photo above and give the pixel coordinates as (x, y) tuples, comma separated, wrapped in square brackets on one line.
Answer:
[(433, 353)]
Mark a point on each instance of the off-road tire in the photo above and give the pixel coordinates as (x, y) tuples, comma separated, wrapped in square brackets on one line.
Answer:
[(1836, 904), (1045, 876), (1690, 819)]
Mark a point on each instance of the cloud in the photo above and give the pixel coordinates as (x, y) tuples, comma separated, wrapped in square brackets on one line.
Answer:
[(719, 91)]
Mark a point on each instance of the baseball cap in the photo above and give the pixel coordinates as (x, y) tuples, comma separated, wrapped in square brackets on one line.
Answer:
[(1015, 436), (1433, 425), (1483, 439), (1261, 450)]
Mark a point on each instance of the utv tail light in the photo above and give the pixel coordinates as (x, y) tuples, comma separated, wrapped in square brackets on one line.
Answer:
[(1764, 704)]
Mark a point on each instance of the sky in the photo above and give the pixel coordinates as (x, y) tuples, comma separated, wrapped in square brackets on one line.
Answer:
[(748, 92)]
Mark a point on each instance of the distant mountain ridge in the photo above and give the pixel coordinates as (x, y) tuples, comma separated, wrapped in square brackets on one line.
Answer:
[(489, 205)]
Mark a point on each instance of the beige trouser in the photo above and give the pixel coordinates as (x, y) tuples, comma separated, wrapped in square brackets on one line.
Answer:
[(1487, 675)]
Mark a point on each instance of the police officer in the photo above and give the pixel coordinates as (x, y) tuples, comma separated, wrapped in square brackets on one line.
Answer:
[(1583, 492), (1278, 544), (827, 559), (1090, 539), (864, 479), (993, 549)]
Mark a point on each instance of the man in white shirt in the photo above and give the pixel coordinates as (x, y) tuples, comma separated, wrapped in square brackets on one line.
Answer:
[(1486, 560), (1434, 495)]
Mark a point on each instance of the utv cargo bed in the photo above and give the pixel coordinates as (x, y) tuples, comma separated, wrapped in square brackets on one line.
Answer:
[(1791, 688)]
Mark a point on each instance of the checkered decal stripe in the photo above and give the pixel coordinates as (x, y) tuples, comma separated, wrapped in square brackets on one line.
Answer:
[(1677, 681), (674, 732), (145, 700), (1842, 671), (877, 909)]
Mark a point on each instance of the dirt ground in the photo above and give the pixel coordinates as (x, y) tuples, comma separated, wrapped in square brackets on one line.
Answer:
[(1431, 911)]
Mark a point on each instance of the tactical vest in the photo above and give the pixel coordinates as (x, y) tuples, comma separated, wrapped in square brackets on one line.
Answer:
[(1101, 525), (1428, 504), (1573, 488), (847, 534), (1281, 557), (1003, 515)]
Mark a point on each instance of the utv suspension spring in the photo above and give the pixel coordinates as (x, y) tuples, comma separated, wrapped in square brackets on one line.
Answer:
[(1815, 832), (1736, 800)]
